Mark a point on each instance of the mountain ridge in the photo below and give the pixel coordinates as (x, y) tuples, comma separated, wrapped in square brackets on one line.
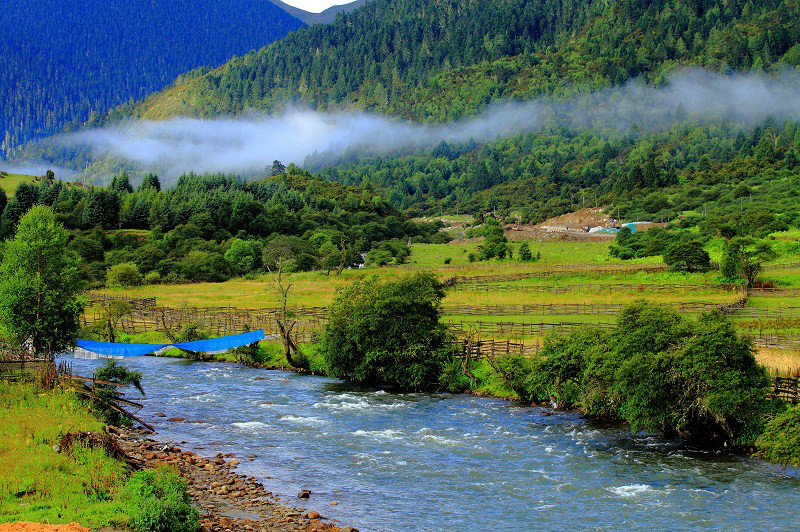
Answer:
[(77, 60), (324, 17)]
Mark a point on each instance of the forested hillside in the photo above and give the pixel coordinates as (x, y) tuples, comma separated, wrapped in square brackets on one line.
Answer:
[(65, 61), (445, 60), (423, 60), (210, 228)]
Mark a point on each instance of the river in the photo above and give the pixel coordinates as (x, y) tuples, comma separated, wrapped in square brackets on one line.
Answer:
[(453, 462)]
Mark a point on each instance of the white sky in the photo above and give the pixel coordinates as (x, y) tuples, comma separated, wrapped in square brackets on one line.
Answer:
[(315, 6)]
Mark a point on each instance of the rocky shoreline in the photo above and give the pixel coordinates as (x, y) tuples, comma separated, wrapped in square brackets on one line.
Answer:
[(227, 501)]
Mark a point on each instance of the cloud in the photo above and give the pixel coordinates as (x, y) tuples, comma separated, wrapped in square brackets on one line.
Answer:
[(246, 145), (37, 169)]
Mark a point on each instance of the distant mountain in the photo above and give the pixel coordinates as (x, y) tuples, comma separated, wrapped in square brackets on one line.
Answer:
[(64, 61), (443, 60), (325, 17)]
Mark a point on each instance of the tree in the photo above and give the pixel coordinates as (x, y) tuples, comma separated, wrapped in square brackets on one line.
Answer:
[(495, 243), (277, 167), (388, 333), (124, 275), (40, 286), (525, 254), (150, 181), (687, 257), (241, 256), (204, 266), (745, 258), (283, 288), (113, 311), (121, 184)]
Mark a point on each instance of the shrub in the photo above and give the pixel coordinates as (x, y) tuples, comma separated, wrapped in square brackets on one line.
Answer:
[(152, 278), (780, 441), (204, 266), (388, 333), (112, 371), (123, 275), (658, 371), (687, 257), (448, 260), (525, 254), (157, 501)]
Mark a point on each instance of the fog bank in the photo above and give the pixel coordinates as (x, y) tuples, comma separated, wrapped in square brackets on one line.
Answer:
[(246, 145)]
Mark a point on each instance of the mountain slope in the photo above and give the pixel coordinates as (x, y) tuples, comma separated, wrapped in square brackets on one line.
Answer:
[(438, 60), (63, 61), (443, 60)]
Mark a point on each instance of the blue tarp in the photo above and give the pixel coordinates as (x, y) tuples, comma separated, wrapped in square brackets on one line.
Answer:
[(224, 343), (201, 346), (119, 350)]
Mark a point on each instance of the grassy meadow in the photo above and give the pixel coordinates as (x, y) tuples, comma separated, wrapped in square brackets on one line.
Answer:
[(573, 273), (10, 183), (38, 484)]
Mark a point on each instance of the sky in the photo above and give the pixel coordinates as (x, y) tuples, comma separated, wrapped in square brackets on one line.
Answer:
[(315, 6)]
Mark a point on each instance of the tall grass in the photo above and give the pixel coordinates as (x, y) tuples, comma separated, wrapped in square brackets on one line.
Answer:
[(41, 485)]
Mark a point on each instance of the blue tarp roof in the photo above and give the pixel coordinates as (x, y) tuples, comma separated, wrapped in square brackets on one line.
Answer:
[(200, 346)]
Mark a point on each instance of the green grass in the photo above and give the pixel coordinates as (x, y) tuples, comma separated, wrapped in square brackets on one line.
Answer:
[(36, 483), (11, 182)]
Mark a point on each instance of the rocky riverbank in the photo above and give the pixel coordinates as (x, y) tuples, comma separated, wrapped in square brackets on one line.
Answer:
[(227, 501)]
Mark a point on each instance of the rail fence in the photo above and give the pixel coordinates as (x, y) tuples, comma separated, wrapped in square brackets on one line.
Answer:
[(787, 388), (218, 321), (589, 309), (590, 287), (100, 299), (492, 348), (577, 269)]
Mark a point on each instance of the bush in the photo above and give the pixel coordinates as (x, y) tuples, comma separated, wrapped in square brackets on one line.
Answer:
[(657, 371), (525, 254), (388, 333), (780, 441), (152, 278), (112, 371), (687, 257), (157, 501), (125, 275), (204, 266)]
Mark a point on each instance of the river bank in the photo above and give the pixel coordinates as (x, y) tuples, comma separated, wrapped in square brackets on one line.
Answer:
[(41, 482), (227, 501), (389, 460)]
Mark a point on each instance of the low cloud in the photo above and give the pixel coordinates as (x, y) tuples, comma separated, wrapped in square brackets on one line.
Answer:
[(248, 144)]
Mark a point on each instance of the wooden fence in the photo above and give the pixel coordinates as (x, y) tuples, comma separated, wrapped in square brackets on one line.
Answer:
[(590, 287), (588, 309), (99, 299), (787, 388), (493, 348), (217, 321), (551, 271)]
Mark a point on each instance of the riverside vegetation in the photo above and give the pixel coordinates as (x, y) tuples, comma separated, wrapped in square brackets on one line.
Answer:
[(656, 370), (343, 232)]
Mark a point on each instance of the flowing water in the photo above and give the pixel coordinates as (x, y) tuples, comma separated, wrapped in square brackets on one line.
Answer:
[(454, 462)]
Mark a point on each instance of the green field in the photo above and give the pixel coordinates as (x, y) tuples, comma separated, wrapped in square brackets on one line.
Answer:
[(38, 484), (11, 182), (574, 273)]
